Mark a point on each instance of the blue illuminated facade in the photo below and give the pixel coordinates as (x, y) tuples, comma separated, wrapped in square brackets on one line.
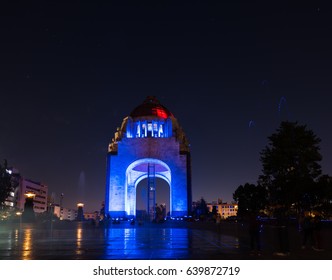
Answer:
[(157, 128), (150, 140)]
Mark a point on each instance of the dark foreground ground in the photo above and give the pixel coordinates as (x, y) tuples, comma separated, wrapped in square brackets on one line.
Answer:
[(170, 240)]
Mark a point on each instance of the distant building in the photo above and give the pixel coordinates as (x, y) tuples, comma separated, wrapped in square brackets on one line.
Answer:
[(68, 214), (62, 213), (40, 190), (56, 210), (225, 210), (11, 200)]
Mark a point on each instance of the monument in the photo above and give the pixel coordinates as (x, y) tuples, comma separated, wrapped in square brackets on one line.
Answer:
[(149, 144)]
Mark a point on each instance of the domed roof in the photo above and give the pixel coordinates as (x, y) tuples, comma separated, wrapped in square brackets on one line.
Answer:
[(151, 107)]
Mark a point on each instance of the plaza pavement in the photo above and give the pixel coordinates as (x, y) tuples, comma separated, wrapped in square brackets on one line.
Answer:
[(169, 241)]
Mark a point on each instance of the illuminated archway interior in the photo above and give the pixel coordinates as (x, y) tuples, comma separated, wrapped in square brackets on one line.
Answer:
[(162, 197)]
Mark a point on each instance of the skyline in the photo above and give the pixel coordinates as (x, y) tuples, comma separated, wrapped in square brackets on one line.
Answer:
[(229, 73)]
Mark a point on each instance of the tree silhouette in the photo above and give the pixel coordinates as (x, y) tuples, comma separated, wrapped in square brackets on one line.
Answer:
[(322, 195), (6, 185), (291, 165), (201, 209), (250, 198)]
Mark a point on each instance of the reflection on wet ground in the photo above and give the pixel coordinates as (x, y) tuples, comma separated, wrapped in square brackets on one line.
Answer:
[(81, 241)]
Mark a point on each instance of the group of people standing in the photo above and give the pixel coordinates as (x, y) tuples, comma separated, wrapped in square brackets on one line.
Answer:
[(309, 228)]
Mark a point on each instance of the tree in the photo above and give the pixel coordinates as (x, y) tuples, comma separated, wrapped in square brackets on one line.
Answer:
[(5, 184), (322, 195), (291, 165), (201, 210), (250, 198)]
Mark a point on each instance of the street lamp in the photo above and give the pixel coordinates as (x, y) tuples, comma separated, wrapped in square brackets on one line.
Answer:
[(61, 206), (80, 215), (29, 214), (30, 195)]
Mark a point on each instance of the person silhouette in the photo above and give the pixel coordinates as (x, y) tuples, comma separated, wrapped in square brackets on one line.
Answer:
[(282, 232), (316, 233), (254, 233), (307, 229)]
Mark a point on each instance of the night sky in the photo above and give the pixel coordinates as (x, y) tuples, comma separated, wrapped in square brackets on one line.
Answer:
[(229, 72)]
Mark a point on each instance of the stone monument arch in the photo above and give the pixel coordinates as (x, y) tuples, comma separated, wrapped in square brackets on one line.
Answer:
[(149, 144)]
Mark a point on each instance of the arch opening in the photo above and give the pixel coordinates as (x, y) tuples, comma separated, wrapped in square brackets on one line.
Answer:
[(163, 199), (139, 171)]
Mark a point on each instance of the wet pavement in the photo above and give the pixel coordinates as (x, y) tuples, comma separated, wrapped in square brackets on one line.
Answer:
[(83, 241)]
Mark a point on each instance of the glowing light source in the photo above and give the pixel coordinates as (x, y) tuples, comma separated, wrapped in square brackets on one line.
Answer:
[(30, 194), (80, 204), (159, 112)]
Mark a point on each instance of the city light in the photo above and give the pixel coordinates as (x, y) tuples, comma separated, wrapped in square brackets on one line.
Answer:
[(30, 195)]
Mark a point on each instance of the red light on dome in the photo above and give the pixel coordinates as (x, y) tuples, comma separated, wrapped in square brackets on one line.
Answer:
[(159, 112)]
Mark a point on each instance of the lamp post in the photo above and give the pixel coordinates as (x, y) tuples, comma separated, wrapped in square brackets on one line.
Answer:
[(61, 206), (29, 215), (80, 215)]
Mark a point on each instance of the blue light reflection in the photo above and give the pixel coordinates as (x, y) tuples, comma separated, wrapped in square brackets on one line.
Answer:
[(146, 243)]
